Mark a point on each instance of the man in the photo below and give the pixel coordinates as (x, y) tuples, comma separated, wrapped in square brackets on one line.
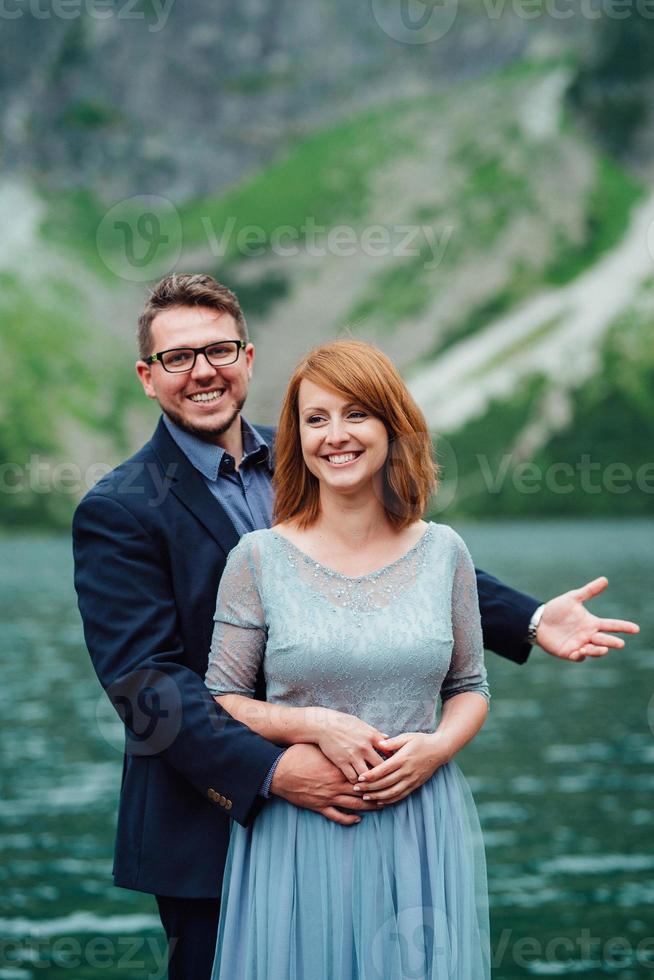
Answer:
[(151, 541)]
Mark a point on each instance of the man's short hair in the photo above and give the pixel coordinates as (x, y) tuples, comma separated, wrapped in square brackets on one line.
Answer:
[(187, 289)]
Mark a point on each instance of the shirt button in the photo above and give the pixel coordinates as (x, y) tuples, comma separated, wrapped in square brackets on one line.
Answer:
[(228, 463)]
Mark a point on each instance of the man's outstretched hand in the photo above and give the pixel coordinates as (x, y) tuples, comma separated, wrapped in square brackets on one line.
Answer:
[(568, 630)]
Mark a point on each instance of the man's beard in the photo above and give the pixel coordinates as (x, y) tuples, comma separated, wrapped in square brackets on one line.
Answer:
[(207, 435)]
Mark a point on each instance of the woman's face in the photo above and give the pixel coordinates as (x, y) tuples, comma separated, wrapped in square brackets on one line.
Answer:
[(343, 445)]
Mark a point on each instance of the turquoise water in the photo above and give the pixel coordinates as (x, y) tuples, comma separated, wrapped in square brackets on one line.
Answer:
[(562, 774)]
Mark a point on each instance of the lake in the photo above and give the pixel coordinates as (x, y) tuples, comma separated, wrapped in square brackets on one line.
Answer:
[(562, 774)]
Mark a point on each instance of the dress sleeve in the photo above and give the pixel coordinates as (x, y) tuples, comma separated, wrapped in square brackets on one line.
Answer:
[(467, 671), (240, 633)]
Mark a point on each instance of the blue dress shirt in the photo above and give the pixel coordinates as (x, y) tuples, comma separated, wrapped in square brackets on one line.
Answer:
[(246, 492)]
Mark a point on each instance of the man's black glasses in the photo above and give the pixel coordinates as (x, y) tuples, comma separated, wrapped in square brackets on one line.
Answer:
[(181, 359)]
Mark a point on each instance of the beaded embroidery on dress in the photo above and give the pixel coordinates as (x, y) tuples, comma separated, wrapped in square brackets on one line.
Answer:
[(303, 897)]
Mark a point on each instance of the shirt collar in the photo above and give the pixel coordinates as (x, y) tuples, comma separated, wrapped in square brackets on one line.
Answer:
[(207, 458)]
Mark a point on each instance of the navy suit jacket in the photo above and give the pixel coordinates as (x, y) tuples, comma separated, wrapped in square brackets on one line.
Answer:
[(150, 544)]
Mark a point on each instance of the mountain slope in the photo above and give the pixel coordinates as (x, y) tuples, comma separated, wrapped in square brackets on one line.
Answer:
[(469, 234)]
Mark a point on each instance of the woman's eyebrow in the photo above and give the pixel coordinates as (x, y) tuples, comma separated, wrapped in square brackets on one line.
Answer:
[(318, 408)]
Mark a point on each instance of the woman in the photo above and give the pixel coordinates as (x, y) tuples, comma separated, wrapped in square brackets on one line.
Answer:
[(361, 614)]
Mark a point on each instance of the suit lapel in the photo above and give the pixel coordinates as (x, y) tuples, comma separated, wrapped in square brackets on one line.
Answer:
[(190, 489)]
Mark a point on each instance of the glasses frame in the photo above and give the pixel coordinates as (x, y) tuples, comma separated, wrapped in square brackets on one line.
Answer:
[(241, 345)]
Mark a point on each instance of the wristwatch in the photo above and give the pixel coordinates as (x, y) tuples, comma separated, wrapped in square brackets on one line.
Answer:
[(533, 625)]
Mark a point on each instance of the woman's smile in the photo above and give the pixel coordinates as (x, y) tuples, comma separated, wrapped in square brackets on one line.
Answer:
[(343, 459)]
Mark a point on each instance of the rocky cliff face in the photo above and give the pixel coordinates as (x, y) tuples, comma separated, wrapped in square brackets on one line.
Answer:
[(184, 98)]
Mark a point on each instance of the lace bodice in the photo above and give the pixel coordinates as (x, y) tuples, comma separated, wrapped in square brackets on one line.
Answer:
[(381, 646)]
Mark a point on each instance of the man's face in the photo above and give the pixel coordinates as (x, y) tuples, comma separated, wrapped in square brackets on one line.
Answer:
[(178, 394)]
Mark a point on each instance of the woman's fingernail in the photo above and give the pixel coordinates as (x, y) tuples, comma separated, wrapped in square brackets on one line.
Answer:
[(366, 797), (357, 789)]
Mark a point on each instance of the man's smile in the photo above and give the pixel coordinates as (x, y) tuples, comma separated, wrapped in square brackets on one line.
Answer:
[(207, 396)]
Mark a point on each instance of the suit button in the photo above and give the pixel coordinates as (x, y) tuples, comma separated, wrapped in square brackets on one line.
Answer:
[(222, 800), (228, 805), (211, 793)]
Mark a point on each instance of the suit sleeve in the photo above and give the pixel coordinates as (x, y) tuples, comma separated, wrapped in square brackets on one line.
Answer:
[(505, 616), (132, 632)]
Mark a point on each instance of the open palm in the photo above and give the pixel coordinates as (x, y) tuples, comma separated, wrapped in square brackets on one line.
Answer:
[(568, 630)]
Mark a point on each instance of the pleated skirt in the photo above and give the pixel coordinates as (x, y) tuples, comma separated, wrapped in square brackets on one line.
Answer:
[(401, 895)]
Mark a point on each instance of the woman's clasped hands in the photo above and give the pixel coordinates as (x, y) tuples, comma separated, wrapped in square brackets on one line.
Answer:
[(414, 758), (384, 770)]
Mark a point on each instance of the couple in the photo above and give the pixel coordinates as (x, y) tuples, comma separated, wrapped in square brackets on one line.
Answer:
[(365, 614)]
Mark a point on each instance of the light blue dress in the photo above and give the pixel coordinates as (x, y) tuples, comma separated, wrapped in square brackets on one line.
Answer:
[(403, 893)]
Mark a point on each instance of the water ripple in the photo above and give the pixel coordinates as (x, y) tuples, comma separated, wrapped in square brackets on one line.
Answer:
[(79, 922)]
